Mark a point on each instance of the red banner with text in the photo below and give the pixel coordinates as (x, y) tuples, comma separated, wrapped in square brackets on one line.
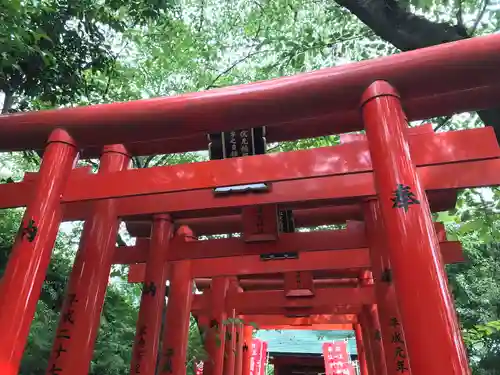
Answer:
[(258, 357), (337, 359)]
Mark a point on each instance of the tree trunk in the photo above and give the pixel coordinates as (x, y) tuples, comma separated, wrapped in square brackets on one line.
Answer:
[(407, 31)]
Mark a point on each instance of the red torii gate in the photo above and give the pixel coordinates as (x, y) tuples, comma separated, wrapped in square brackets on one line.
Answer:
[(384, 181)]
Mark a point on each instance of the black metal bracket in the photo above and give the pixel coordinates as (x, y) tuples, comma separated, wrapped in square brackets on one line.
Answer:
[(386, 275), (242, 189), (279, 256)]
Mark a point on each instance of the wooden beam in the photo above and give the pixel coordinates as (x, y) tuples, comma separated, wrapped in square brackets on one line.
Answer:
[(350, 162), (325, 301), (230, 247), (350, 238), (307, 261)]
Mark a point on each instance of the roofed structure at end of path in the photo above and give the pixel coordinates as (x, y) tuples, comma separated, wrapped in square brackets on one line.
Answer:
[(304, 342)]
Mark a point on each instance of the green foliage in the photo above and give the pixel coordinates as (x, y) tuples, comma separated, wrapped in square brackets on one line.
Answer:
[(219, 336), (51, 50), (475, 284)]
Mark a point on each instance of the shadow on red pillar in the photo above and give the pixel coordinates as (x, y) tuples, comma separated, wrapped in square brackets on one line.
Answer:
[(247, 349), (216, 332), (390, 322), (178, 314), (145, 349), (362, 360), (431, 327), (80, 314), (30, 256)]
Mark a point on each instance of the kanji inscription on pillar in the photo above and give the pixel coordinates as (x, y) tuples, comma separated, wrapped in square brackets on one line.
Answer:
[(386, 275), (54, 370), (149, 289), (403, 197), (399, 351), (68, 316), (167, 367), (28, 231), (63, 334), (214, 324), (60, 350), (141, 344)]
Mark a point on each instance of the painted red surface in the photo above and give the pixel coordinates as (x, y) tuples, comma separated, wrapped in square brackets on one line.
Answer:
[(426, 306), (30, 255), (308, 98), (88, 280)]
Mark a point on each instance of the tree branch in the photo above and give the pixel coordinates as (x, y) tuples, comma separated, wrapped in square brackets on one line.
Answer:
[(443, 122), (161, 162), (136, 162), (407, 31), (479, 17), (202, 16), (149, 160), (233, 65), (460, 18), (401, 28), (119, 240)]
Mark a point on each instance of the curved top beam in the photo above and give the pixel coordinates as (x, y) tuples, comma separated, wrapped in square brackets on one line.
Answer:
[(463, 69)]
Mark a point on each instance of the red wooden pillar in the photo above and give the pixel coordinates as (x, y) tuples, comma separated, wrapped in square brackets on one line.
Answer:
[(30, 255), (238, 366), (371, 328), (363, 366), (230, 349), (215, 338), (427, 312), (247, 349), (176, 330), (367, 343), (145, 349), (178, 314), (80, 315), (373, 341), (391, 328), (231, 329)]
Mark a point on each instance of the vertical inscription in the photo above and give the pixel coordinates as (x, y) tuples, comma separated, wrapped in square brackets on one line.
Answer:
[(167, 367), (397, 339), (141, 343), (63, 334)]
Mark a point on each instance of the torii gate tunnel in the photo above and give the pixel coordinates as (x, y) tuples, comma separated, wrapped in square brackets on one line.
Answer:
[(382, 274)]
